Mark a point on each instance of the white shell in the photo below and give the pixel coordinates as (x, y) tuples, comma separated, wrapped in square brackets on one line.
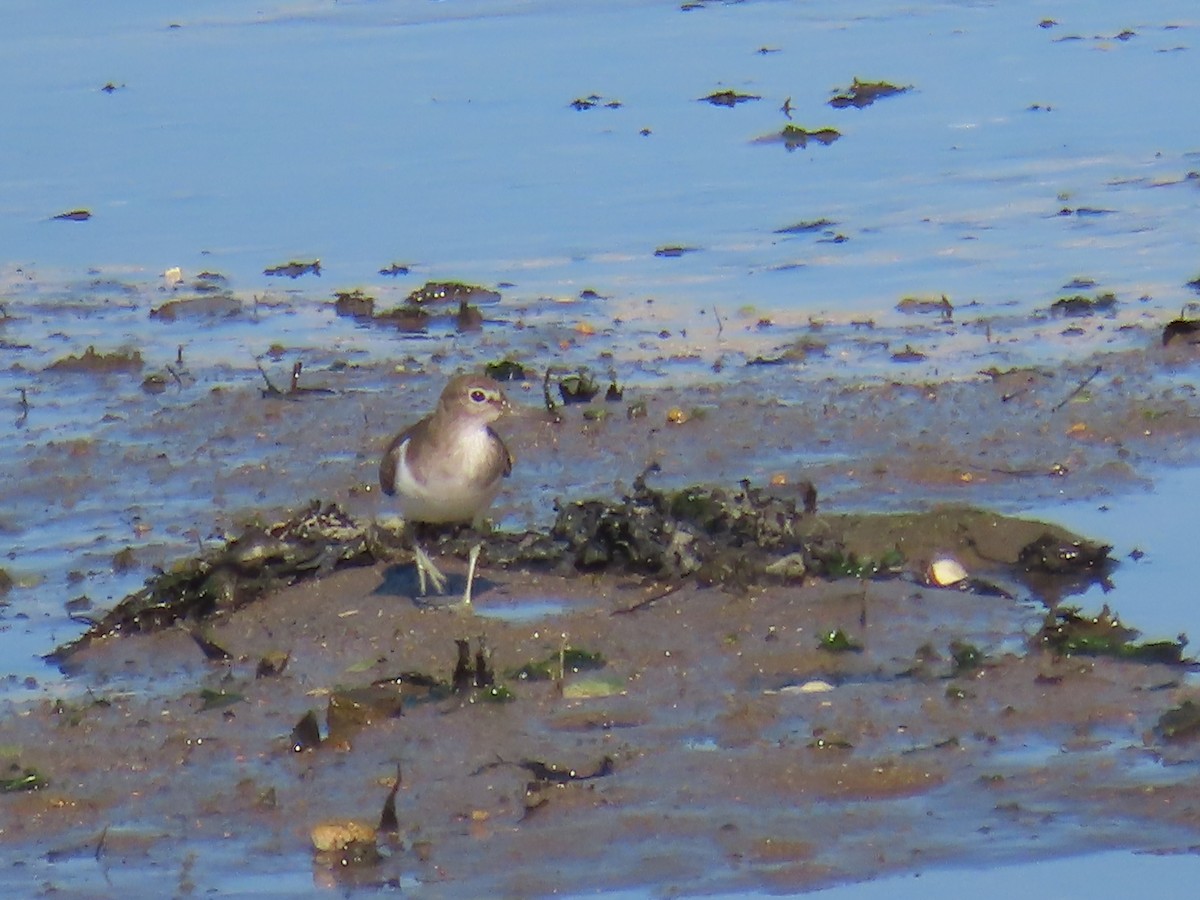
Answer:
[(815, 686), (946, 571)]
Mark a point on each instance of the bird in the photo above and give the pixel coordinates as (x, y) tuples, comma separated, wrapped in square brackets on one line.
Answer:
[(449, 466)]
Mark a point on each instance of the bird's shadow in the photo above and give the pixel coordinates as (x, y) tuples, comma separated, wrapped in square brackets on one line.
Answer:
[(401, 580)]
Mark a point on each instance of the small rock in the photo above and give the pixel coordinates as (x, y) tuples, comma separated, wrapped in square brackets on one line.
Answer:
[(337, 835)]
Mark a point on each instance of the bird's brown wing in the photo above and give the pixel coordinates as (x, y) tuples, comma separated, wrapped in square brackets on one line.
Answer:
[(391, 456), (509, 459)]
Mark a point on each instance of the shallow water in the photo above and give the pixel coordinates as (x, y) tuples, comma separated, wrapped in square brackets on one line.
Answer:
[(1153, 592), (370, 133), (440, 135), (1113, 874)]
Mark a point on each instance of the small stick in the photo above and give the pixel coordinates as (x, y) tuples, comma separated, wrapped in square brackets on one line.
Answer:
[(549, 401), (24, 407), (1078, 390), (648, 602), (720, 324), (294, 391), (388, 823), (550, 406), (271, 390)]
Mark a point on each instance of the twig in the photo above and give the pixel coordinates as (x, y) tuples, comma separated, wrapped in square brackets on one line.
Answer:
[(388, 823), (271, 390), (1078, 389), (648, 602), (562, 660), (550, 405), (720, 324), (24, 408), (1018, 473), (294, 391)]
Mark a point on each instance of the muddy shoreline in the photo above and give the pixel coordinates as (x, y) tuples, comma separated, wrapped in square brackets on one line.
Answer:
[(775, 704), (728, 742), (729, 745)]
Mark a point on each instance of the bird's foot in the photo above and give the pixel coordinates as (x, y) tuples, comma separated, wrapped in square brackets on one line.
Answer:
[(426, 570)]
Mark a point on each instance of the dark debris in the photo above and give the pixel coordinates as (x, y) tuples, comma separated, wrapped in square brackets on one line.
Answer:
[(317, 540), (99, 363), (294, 269), (294, 390), (18, 779), (1068, 633), (1179, 723), (1184, 331), (1079, 305), (1051, 555), (354, 304), (796, 137), (863, 93), (735, 538), (729, 98), (508, 370), (452, 292), (809, 226)]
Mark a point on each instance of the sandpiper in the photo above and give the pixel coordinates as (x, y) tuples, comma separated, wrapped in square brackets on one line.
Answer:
[(448, 467)]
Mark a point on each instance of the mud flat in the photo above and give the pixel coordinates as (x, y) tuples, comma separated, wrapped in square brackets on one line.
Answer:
[(697, 689), (749, 621)]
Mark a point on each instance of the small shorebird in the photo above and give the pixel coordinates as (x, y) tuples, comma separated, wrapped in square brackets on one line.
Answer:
[(448, 466)]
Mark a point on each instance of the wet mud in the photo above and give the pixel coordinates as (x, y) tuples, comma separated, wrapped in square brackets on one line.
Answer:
[(575, 732), (736, 540), (674, 679)]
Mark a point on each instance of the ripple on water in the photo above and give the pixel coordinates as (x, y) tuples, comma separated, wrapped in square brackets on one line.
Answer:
[(517, 610)]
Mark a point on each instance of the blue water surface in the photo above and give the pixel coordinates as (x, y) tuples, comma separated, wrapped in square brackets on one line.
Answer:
[(442, 134)]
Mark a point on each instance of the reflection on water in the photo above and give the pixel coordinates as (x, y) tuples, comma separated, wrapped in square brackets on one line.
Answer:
[(1153, 534), (1112, 874), (366, 134), (521, 610)]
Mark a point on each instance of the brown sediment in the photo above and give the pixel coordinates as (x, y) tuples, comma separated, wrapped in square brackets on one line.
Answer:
[(672, 680), (757, 675), (92, 362), (728, 727)]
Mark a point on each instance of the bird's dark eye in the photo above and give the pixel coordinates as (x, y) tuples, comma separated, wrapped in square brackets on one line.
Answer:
[(478, 396)]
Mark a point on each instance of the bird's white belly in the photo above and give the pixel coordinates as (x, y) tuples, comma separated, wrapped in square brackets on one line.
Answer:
[(446, 496)]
